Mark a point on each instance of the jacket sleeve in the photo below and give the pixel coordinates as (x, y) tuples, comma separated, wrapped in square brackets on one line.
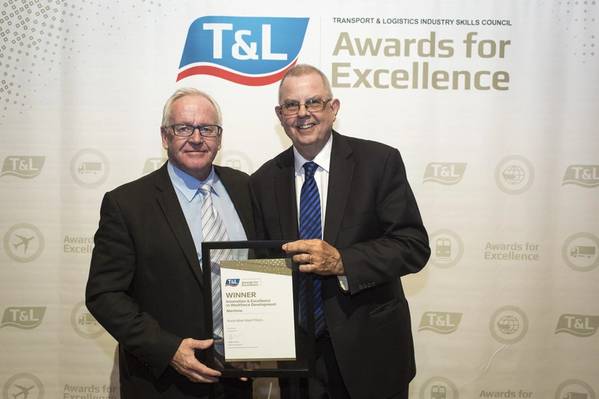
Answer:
[(401, 246), (109, 293)]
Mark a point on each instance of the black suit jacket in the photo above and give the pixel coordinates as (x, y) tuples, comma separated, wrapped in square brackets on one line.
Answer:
[(145, 283), (373, 220)]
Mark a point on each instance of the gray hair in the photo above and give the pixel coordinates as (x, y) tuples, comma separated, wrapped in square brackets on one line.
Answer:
[(184, 92), (306, 69)]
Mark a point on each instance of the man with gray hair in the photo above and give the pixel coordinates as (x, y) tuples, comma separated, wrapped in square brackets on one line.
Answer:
[(145, 282), (347, 205)]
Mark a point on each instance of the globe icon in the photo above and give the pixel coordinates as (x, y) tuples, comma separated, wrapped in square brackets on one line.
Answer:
[(508, 324), (513, 174)]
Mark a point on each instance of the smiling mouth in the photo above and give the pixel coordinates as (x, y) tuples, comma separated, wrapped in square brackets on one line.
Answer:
[(304, 126), (195, 151)]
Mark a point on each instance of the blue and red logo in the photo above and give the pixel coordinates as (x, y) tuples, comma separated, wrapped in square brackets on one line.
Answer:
[(252, 51), (232, 282)]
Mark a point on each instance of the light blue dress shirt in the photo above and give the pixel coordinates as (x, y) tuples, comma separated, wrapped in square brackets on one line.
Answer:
[(191, 198)]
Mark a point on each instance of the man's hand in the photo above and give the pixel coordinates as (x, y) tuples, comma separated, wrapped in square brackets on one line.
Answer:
[(316, 256), (186, 363)]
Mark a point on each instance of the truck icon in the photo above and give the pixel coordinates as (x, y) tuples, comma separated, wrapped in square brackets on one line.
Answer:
[(583, 251), (575, 395), (90, 167)]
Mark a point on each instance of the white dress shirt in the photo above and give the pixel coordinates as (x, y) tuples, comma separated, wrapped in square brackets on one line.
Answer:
[(190, 199), (321, 176)]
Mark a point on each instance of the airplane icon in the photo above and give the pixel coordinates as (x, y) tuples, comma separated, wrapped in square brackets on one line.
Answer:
[(24, 242), (23, 391)]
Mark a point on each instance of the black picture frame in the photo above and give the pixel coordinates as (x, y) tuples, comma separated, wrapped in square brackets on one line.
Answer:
[(303, 364)]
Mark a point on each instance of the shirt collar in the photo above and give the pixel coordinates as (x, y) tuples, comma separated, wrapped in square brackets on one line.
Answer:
[(187, 184), (322, 159)]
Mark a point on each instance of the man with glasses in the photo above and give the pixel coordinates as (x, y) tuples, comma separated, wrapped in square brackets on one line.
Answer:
[(145, 284), (357, 229)]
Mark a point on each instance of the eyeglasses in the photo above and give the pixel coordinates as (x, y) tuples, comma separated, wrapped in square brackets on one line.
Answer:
[(184, 130), (290, 108)]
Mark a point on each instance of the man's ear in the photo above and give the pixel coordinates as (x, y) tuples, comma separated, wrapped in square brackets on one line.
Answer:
[(279, 113), (335, 105), (164, 136)]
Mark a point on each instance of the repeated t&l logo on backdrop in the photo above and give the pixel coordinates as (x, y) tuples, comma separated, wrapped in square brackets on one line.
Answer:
[(252, 51), (440, 322), (578, 325), (447, 173), (23, 166), (23, 317), (582, 175)]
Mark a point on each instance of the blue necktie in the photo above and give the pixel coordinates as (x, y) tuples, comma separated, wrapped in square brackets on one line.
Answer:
[(310, 227)]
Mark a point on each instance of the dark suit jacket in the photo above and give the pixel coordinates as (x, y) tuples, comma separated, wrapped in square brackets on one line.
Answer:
[(145, 283), (373, 220)]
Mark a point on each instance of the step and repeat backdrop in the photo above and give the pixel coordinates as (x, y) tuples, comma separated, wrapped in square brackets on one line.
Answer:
[(494, 106)]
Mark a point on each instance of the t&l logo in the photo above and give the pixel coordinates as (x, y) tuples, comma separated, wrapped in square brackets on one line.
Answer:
[(444, 172), (582, 175), (440, 322), (232, 282), (252, 51), (23, 166), (24, 317), (577, 324), (23, 386)]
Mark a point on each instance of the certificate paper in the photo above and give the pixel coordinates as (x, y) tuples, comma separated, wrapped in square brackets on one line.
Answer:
[(258, 319)]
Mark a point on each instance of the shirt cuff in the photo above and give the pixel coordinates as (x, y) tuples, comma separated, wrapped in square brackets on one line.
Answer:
[(343, 283)]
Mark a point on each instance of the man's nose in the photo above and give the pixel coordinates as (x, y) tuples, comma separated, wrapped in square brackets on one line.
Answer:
[(302, 111), (196, 137)]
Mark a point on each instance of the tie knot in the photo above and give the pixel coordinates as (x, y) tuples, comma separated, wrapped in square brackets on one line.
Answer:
[(310, 168), (205, 188)]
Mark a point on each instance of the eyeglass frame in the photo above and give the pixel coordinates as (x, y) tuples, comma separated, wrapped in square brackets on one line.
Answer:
[(281, 107), (198, 127)]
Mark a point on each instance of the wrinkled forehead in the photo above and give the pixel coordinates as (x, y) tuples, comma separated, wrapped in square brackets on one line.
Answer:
[(194, 106)]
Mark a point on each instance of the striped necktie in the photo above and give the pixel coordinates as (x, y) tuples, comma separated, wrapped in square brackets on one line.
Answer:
[(310, 227), (213, 229)]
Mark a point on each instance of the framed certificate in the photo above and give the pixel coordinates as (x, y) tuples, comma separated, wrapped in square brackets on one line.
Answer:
[(252, 306)]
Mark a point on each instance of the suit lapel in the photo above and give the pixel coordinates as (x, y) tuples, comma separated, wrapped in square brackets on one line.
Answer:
[(169, 203), (340, 178), (285, 195)]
